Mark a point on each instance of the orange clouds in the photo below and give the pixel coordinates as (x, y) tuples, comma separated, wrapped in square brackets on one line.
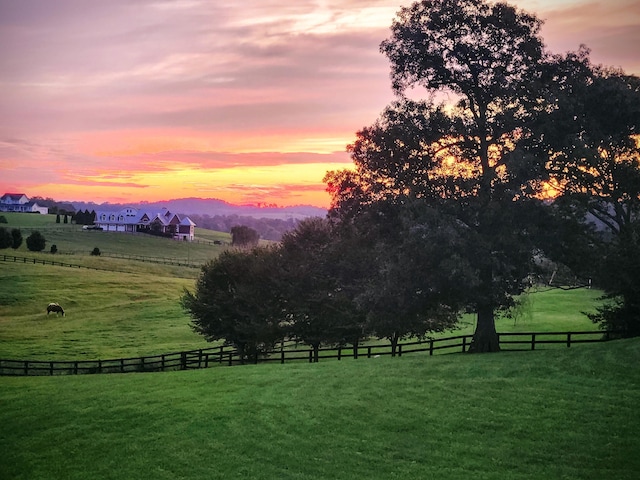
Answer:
[(250, 103)]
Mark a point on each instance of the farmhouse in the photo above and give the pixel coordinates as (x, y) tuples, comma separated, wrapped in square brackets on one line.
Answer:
[(19, 202), (133, 220)]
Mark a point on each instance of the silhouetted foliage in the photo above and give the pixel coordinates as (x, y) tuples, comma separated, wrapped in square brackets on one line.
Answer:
[(5, 238), (95, 252), (16, 236), (316, 287), (236, 300), (243, 236), (54, 249), (36, 241)]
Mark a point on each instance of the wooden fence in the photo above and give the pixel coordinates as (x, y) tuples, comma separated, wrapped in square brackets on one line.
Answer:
[(289, 352)]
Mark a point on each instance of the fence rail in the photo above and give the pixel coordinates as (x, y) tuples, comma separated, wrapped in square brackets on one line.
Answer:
[(289, 352)]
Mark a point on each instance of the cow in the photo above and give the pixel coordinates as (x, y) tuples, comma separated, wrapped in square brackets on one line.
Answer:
[(54, 307)]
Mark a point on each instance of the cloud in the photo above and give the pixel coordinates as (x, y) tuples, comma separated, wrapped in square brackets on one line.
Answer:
[(139, 94)]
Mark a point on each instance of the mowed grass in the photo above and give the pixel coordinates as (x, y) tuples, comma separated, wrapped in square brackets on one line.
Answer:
[(553, 414)]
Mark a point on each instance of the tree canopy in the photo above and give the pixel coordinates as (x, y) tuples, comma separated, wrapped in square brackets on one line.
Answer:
[(461, 158)]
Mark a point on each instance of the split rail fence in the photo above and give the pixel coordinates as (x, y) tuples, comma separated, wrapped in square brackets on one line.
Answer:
[(288, 352)]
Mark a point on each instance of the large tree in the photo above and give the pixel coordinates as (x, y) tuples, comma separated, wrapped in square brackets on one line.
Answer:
[(413, 277), (592, 143), (235, 300), (482, 68), (316, 283)]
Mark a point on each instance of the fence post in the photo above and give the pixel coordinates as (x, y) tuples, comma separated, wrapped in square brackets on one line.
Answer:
[(183, 360), (99, 366), (75, 368), (311, 355), (162, 363), (399, 349), (51, 368), (431, 347), (464, 344), (221, 352), (282, 353), (533, 341), (568, 339), (339, 353), (369, 351), (200, 358)]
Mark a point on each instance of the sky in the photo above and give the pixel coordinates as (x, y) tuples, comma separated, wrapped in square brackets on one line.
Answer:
[(249, 102)]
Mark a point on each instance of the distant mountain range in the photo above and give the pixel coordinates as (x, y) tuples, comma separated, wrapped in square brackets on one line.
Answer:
[(211, 207)]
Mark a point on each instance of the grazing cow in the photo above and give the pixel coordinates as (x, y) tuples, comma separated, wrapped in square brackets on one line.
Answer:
[(54, 307)]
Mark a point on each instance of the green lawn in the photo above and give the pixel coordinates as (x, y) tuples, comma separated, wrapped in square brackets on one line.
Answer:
[(554, 414)]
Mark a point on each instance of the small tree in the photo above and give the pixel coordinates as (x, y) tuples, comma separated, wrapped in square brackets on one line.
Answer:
[(5, 238), (243, 236), (95, 252), (16, 235), (36, 242), (235, 301), (54, 248)]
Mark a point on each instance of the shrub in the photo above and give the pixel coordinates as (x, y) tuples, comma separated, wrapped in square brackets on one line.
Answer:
[(16, 236), (3, 219), (5, 238), (36, 242), (54, 248), (95, 252)]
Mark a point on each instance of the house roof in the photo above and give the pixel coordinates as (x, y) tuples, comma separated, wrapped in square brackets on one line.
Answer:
[(132, 216), (13, 196)]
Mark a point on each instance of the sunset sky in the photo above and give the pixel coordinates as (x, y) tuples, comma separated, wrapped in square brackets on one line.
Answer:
[(248, 102)]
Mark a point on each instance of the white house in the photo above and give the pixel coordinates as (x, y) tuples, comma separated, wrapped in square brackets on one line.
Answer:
[(19, 202), (132, 220)]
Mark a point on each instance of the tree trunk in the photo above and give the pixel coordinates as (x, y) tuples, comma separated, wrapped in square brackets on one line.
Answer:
[(394, 343), (485, 338)]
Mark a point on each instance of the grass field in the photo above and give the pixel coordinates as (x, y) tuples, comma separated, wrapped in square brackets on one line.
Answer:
[(73, 242), (550, 414), (554, 414), (112, 314)]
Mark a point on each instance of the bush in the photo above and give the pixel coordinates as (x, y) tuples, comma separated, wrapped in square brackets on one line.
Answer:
[(36, 242), (3, 219), (16, 236), (5, 238), (54, 248), (95, 252)]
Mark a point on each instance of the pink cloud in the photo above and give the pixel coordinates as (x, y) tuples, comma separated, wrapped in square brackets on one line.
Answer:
[(121, 95)]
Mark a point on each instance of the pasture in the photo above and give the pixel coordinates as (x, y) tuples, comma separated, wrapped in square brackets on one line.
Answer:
[(561, 413), (552, 413), (131, 309), (74, 243)]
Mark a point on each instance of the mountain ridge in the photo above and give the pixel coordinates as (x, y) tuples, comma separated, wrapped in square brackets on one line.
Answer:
[(211, 206)]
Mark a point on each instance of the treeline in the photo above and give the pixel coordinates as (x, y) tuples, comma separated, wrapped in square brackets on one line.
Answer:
[(455, 207), (267, 228)]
